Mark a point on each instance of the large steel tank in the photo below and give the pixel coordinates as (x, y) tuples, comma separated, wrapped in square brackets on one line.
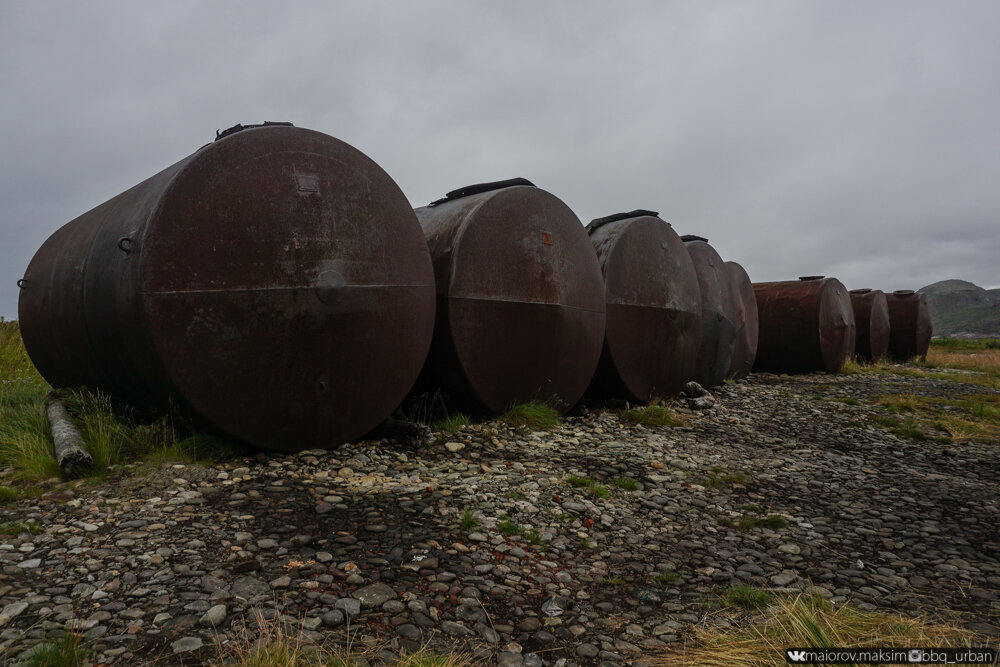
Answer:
[(909, 325), (653, 307), (871, 316), (718, 332), (520, 297), (274, 285), (743, 313), (805, 325)]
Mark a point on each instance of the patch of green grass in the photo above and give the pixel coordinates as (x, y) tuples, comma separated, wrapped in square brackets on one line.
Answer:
[(18, 527), (508, 527), (67, 651), (665, 577), (653, 415), (579, 481), (7, 494), (598, 491), (965, 344), (451, 423), (468, 521), (582, 542), (900, 403), (613, 582), (533, 536), (720, 479), (852, 367), (514, 495), (532, 416), (111, 435), (879, 420), (625, 483), (750, 507), (908, 429), (846, 400), (774, 522), (745, 596)]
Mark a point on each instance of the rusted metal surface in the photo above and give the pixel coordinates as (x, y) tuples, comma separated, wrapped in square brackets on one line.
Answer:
[(909, 325), (275, 285), (718, 332), (653, 307), (743, 309), (805, 325), (871, 316), (520, 298)]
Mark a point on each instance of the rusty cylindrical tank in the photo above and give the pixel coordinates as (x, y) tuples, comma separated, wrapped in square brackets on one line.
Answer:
[(743, 305), (871, 316), (274, 285), (520, 297), (653, 307), (909, 325), (718, 333), (805, 325)]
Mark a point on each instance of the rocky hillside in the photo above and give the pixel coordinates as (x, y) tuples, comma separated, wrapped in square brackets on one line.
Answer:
[(960, 308)]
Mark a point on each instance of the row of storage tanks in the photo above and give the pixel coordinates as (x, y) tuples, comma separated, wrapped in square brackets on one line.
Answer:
[(277, 286)]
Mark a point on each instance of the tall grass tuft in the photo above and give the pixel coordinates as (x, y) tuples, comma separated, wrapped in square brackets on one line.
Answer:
[(532, 416), (653, 415), (68, 651), (112, 435), (810, 622)]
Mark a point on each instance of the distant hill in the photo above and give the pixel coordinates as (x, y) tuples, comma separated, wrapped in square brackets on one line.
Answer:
[(960, 308)]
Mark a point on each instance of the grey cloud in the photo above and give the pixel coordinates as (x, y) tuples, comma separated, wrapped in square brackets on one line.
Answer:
[(848, 138)]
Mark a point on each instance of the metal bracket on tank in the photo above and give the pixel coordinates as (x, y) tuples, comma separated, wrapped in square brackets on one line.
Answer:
[(596, 223), (469, 190), (125, 245), (22, 282), (239, 128), (687, 238)]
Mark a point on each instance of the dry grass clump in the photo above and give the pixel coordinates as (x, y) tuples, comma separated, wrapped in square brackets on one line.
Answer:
[(273, 643), (810, 622)]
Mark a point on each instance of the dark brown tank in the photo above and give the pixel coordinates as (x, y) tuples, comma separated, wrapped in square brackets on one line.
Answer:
[(909, 325), (805, 325), (520, 297), (653, 307), (871, 316), (743, 314), (718, 333), (274, 284)]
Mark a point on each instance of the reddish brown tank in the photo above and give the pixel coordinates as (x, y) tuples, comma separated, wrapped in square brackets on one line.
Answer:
[(718, 333), (909, 325), (653, 307), (871, 316), (520, 297), (274, 284), (805, 325), (743, 313)]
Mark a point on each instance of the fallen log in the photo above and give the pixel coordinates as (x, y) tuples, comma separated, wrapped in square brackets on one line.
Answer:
[(67, 443)]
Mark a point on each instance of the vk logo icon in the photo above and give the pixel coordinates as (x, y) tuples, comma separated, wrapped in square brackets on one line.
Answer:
[(795, 656)]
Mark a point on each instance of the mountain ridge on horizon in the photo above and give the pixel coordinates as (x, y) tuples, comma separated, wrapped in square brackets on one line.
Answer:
[(962, 309)]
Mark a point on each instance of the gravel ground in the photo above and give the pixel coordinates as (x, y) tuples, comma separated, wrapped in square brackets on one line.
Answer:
[(367, 540)]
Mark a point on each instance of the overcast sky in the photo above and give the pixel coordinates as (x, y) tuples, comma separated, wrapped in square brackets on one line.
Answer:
[(857, 139)]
